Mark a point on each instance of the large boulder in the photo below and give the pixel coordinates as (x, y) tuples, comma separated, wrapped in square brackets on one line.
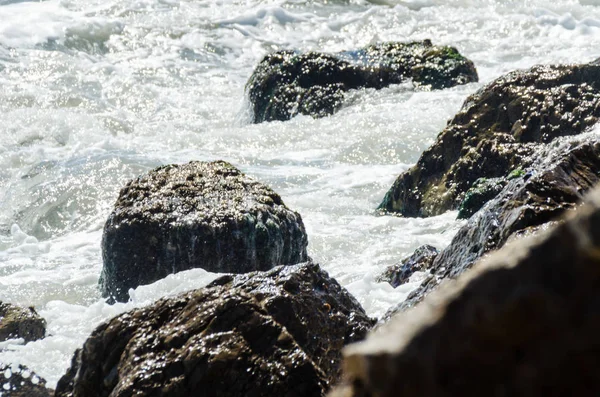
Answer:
[(18, 381), (288, 83), (555, 183), (20, 323), (495, 133), (271, 333), (524, 322), (200, 214)]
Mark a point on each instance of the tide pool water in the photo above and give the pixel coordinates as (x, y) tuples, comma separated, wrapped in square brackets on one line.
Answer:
[(94, 93)]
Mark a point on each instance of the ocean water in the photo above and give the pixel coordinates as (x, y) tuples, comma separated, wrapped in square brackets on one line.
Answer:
[(93, 93)]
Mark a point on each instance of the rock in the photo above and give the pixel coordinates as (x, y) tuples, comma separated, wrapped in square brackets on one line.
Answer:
[(200, 214), (482, 191), (18, 381), (555, 183), (270, 333), (419, 261), (496, 132), (17, 322), (523, 323), (288, 83)]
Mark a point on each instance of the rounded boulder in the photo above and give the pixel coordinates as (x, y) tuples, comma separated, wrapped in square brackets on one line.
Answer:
[(197, 215)]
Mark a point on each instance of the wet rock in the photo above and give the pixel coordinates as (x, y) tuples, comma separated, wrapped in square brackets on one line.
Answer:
[(556, 182), (523, 323), (18, 381), (496, 132), (200, 214), (421, 260), (20, 323), (271, 333), (482, 191), (288, 83)]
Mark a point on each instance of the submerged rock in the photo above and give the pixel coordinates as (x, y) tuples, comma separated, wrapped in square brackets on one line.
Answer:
[(20, 323), (523, 323), (419, 261), (288, 83), (18, 381), (555, 183), (201, 214), (496, 132), (274, 333)]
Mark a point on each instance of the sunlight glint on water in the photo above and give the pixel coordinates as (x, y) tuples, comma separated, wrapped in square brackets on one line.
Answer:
[(97, 92)]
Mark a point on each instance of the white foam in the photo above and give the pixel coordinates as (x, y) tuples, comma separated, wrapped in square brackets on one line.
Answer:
[(96, 92)]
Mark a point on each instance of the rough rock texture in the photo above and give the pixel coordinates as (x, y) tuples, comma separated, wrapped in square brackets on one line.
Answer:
[(17, 322), (200, 214), (523, 323), (556, 182), (275, 333), (496, 131), (18, 381), (421, 260), (482, 191), (287, 83)]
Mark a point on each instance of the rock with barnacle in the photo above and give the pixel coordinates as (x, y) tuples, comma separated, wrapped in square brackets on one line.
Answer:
[(201, 214)]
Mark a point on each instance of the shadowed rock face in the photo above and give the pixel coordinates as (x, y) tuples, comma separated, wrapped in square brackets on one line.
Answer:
[(496, 132), (556, 182), (21, 382), (200, 214), (275, 333), (420, 260), (17, 322), (523, 323), (287, 83)]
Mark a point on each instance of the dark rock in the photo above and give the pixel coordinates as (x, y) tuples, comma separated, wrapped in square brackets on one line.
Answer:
[(17, 322), (288, 83), (275, 333), (419, 261), (496, 131), (556, 182), (18, 381), (200, 214), (482, 191), (523, 323)]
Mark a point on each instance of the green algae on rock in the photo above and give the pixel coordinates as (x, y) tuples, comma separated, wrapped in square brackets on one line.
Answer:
[(557, 182), (288, 83), (201, 214), (496, 131), (273, 333)]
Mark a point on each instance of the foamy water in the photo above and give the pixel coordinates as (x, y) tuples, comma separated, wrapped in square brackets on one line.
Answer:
[(94, 93)]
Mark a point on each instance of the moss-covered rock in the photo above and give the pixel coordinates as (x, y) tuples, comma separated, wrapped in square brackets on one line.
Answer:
[(288, 83), (482, 191), (201, 214), (497, 131)]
